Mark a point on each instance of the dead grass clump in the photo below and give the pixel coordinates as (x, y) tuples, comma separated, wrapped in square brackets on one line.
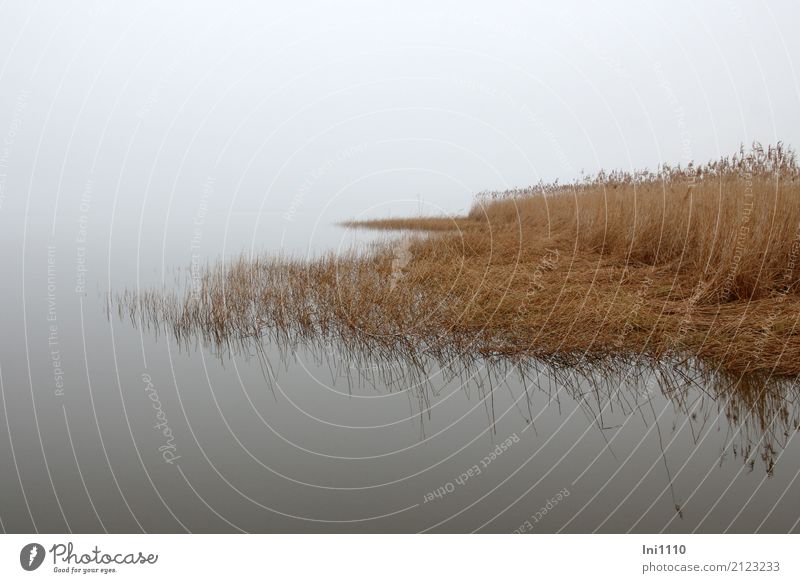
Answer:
[(734, 224), (412, 224), (696, 262)]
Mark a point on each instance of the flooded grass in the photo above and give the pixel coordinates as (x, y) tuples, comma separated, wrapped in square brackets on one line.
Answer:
[(696, 262), (686, 276)]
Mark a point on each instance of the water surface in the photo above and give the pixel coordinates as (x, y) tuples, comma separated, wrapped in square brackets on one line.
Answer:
[(111, 427)]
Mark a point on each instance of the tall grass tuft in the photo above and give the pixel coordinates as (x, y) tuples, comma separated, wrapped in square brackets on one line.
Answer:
[(696, 262)]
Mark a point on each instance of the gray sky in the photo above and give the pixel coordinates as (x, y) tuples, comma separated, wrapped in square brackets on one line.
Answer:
[(315, 111)]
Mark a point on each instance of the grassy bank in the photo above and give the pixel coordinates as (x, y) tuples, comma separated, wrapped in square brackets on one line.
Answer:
[(666, 265)]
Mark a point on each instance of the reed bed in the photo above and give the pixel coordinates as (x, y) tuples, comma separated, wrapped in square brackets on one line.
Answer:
[(676, 264)]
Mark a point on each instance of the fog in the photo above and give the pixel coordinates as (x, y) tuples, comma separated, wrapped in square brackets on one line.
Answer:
[(138, 139), (296, 115)]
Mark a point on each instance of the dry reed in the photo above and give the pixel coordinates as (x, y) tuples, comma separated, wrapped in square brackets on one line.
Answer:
[(676, 264)]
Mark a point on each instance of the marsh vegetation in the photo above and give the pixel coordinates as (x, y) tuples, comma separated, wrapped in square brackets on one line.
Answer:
[(687, 262), (689, 274)]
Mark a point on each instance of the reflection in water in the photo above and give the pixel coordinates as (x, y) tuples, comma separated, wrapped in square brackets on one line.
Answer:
[(761, 411), (641, 444)]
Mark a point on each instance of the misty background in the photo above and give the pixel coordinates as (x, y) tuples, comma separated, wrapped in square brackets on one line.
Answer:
[(266, 122), (138, 139)]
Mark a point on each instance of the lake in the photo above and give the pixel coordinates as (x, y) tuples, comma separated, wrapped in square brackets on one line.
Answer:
[(108, 426)]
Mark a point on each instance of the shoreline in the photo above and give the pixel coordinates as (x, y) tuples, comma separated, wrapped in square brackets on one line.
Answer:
[(696, 262)]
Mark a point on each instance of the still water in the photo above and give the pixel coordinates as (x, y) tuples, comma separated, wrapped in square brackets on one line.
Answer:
[(110, 427)]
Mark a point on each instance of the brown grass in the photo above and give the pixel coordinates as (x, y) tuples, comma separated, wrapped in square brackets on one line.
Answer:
[(413, 224), (680, 264)]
